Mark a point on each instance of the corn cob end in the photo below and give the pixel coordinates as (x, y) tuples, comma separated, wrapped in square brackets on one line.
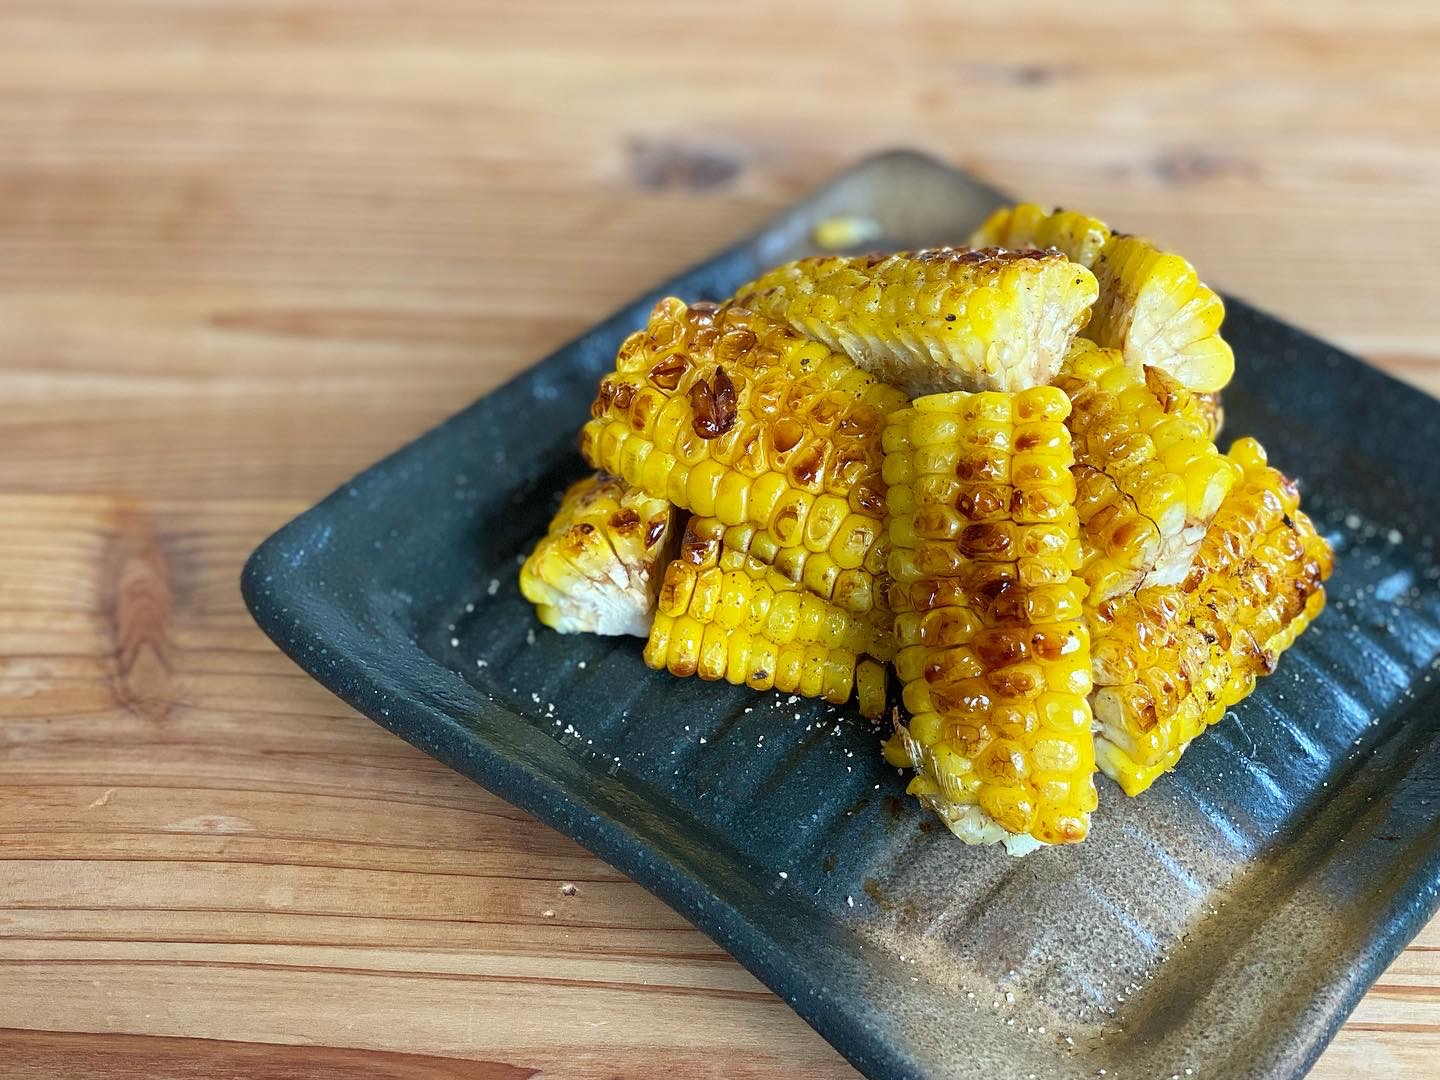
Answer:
[(597, 568)]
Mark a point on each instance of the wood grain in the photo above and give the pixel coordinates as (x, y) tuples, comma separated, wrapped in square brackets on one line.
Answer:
[(246, 247)]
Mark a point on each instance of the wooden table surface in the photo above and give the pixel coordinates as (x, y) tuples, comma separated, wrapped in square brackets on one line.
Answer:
[(247, 247)]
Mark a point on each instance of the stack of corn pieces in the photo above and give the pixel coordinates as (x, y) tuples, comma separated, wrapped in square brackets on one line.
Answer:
[(992, 469)]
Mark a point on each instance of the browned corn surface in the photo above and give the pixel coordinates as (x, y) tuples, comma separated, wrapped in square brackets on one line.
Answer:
[(1148, 478), (1202, 410), (1077, 237), (1167, 662), (597, 568), (939, 319), (1211, 407), (831, 573), (745, 547), (1152, 306), (723, 615), (734, 416), (994, 655)]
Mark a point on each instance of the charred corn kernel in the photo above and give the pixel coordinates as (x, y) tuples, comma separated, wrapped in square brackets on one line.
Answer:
[(1077, 237), (939, 319), (725, 615), (685, 636), (764, 659), (1151, 304), (737, 664), (988, 617), (1167, 662), (1149, 481), (597, 570), (731, 415)]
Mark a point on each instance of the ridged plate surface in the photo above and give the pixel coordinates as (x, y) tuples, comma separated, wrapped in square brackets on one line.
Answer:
[(1221, 926)]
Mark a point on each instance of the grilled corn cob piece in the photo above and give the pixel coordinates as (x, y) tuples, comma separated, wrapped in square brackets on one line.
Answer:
[(939, 319), (1151, 306), (1149, 481), (994, 653), (722, 615), (1168, 662), (1077, 237), (731, 415), (597, 569)]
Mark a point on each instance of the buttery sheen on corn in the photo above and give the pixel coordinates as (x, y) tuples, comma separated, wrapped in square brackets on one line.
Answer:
[(938, 319), (597, 569), (994, 653), (1148, 478), (1167, 662), (1152, 305), (732, 415), (724, 615)]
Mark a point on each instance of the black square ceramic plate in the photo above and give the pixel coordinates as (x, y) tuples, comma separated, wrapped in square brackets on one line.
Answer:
[(1221, 926)]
